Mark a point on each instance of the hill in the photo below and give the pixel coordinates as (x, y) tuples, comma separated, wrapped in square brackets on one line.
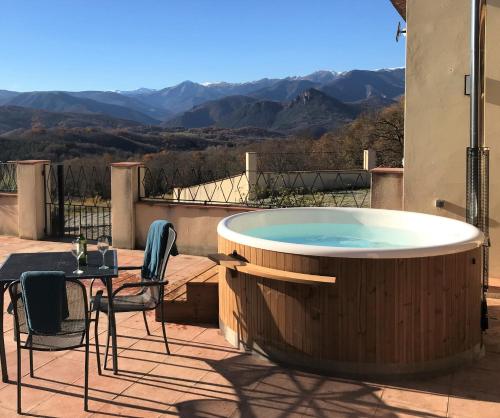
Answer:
[(210, 113), (112, 98), (284, 90), (360, 85), (58, 101), (310, 109), (6, 95), (16, 117), (314, 109)]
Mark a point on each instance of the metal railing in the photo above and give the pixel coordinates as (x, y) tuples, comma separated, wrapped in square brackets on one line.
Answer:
[(78, 197), (263, 189), (8, 177)]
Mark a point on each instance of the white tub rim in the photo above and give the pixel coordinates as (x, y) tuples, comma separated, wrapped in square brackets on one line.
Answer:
[(471, 237)]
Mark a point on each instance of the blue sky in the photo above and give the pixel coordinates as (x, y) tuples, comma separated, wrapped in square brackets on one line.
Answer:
[(127, 44)]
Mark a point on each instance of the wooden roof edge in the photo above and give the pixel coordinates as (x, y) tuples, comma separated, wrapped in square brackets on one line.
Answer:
[(400, 6)]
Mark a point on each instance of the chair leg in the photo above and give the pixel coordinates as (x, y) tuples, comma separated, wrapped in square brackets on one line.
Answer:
[(96, 341), (163, 329), (146, 322), (107, 345), (86, 388), (18, 376), (32, 374)]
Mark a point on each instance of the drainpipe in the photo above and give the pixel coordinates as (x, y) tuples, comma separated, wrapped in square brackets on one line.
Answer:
[(477, 207), (473, 151)]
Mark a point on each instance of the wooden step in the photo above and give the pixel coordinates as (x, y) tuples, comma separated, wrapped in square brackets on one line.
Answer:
[(193, 299)]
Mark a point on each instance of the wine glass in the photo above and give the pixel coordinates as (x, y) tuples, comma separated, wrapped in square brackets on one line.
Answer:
[(77, 251), (103, 247)]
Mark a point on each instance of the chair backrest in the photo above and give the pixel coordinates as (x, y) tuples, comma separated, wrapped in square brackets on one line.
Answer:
[(154, 294), (60, 328), (172, 237)]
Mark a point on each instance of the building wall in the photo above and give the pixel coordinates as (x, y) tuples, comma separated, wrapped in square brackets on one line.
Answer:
[(8, 214), (437, 111), (492, 126), (228, 190), (196, 225)]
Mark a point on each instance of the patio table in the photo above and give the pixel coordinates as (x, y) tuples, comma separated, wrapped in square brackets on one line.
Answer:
[(18, 263)]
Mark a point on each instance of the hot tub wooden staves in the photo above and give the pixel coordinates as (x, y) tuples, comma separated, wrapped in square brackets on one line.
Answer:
[(381, 316)]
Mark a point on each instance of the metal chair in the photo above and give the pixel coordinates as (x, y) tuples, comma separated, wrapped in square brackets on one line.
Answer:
[(70, 330), (149, 296)]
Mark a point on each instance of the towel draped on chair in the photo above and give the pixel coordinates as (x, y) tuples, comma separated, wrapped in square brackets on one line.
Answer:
[(45, 300), (155, 249)]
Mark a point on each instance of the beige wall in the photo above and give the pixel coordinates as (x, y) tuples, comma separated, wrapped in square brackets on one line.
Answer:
[(8, 214), (196, 225), (492, 126), (387, 188), (437, 111), (228, 190)]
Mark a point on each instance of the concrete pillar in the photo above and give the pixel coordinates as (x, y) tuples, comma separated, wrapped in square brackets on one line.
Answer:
[(124, 195), (31, 198), (369, 159), (387, 188), (252, 174)]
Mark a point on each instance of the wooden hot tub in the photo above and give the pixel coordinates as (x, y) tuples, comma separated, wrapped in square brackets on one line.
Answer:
[(398, 310)]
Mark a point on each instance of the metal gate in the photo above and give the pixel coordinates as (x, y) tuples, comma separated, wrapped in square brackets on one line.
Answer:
[(77, 196)]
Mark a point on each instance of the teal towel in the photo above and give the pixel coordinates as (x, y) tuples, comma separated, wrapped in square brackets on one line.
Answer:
[(156, 244), (45, 300)]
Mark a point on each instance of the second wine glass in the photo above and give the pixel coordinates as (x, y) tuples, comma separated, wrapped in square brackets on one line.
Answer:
[(103, 247)]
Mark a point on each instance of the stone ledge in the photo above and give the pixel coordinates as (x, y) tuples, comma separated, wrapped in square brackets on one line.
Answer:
[(33, 162), (126, 164), (387, 170)]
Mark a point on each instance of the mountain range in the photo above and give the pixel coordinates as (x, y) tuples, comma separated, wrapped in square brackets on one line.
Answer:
[(310, 109), (321, 99)]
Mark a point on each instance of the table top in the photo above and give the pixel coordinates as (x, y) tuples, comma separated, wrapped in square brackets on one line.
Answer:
[(18, 263)]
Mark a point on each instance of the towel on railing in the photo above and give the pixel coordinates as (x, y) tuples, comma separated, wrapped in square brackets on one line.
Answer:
[(45, 300), (156, 244)]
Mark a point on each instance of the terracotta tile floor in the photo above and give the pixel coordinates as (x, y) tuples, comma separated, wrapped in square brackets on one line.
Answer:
[(206, 377)]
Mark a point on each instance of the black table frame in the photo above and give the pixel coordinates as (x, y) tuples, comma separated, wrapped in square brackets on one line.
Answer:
[(90, 272)]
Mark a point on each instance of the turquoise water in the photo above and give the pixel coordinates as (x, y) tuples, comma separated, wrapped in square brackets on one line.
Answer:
[(337, 235)]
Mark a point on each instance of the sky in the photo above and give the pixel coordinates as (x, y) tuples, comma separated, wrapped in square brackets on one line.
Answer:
[(127, 44)]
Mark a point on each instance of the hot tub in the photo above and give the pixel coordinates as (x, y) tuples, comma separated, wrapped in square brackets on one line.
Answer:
[(406, 296)]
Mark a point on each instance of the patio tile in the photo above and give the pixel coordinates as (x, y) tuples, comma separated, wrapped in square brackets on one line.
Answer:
[(415, 400), (31, 396), (471, 408), (156, 398), (6, 413), (62, 405), (212, 395), (473, 380), (340, 410), (136, 322), (206, 377), (205, 353), (106, 386), (405, 411), (180, 333), (123, 406), (180, 375), (200, 407), (152, 348)]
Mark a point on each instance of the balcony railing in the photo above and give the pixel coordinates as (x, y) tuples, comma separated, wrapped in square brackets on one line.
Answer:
[(8, 178), (257, 188)]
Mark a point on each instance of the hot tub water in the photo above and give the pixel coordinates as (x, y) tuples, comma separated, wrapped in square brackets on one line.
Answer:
[(337, 235)]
